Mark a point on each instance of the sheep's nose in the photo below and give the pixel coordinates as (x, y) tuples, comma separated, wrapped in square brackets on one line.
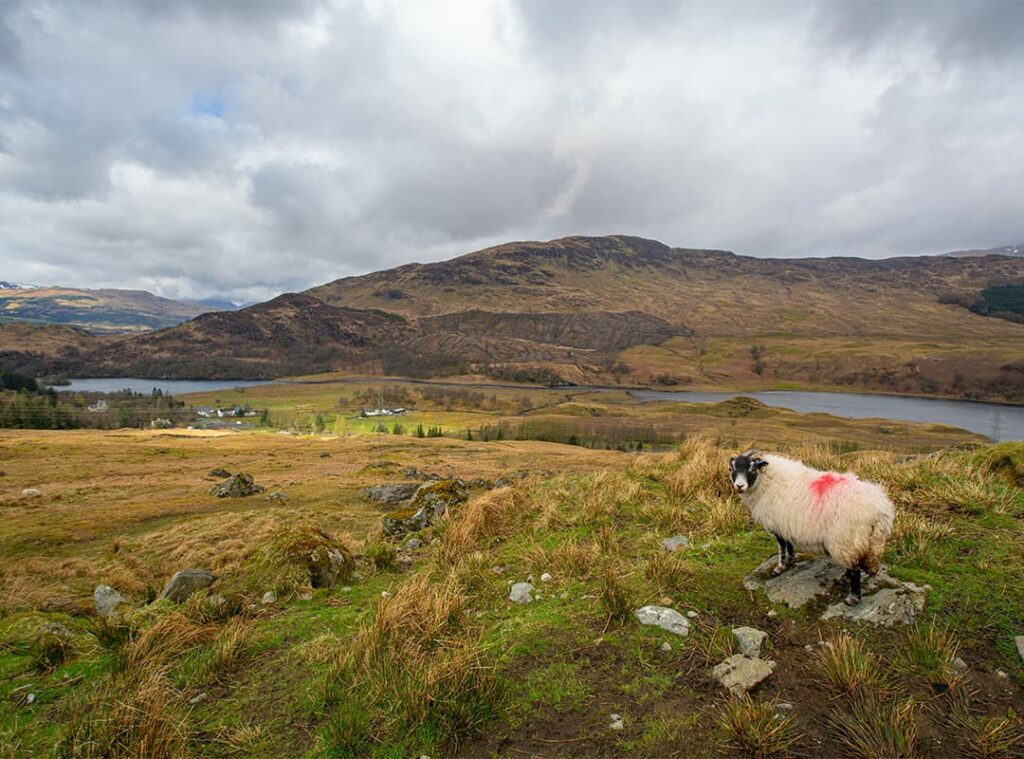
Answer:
[(740, 488)]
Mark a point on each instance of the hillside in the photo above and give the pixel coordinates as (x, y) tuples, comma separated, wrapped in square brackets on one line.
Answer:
[(99, 311), (629, 311), (419, 647), (287, 335)]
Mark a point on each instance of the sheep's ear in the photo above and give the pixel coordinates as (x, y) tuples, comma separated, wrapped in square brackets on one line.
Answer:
[(759, 464), (732, 462)]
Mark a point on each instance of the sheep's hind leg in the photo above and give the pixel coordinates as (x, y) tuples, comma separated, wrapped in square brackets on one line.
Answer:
[(853, 575), (785, 556)]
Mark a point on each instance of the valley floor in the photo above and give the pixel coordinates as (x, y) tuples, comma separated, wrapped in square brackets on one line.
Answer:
[(418, 649)]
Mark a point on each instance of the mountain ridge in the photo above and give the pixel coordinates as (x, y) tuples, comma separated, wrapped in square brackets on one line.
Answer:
[(617, 309)]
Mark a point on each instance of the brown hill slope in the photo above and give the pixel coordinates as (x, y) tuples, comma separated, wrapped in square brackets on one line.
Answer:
[(712, 292), (288, 335), (99, 311)]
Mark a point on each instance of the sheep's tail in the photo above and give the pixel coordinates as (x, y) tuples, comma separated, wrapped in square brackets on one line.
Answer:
[(871, 561)]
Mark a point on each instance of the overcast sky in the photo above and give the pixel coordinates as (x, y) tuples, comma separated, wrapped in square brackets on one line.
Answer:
[(244, 149)]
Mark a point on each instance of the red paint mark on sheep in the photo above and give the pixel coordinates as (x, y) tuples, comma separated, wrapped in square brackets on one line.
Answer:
[(826, 484)]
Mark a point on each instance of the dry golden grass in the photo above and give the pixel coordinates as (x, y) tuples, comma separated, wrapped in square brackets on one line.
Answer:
[(483, 517), (131, 716), (417, 644), (575, 559), (165, 641), (129, 508)]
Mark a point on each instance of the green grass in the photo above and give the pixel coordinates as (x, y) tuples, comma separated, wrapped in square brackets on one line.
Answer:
[(333, 672)]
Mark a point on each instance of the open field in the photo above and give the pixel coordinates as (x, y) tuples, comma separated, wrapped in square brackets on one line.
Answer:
[(443, 663), (595, 418)]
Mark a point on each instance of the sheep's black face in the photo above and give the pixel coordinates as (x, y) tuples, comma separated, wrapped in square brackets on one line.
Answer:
[(744, 469)]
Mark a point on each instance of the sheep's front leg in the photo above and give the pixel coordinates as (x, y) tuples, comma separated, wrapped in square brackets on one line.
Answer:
[(853, 575), (785, 556)]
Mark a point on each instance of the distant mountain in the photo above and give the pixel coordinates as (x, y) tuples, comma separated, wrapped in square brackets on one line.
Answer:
[(619, 310), (218, 304), (290, 334), (14, 286), (99, 311), (1016, 251)]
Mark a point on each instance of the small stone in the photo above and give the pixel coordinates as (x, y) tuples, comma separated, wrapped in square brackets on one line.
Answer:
[(220, 473), (772, 614), (413, 543), (740, 673), (617, 722), (545, 577), (521, 593), (499, 570), (186, 582), (564, 594), (1019, 641), (269, 597), (385, 594), (31, 493), (197, 698), (667, 619), (749, 640), (530, 579), (346, 589), (676, 542), (960, 665), (665, 601), (692, 614), (782, 706), (107, 600), (307, 596), (30, 698), (666, 647), (808, 647), (1001, 675)]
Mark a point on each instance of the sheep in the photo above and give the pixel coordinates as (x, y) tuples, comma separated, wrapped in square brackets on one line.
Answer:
[(839, 515)]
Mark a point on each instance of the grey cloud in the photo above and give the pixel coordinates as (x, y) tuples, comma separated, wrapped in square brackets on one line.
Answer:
[(244, 149)]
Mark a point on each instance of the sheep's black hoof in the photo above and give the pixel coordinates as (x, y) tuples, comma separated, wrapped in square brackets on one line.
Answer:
[(779, 569), (851, 600)]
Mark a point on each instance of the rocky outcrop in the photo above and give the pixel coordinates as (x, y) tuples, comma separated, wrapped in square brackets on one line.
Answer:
[(427, 505), (237, 486), (186, 582), (392, 493), (886, 601)]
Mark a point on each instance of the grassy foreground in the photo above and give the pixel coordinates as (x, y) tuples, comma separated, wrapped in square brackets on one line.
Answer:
[(421, 652)]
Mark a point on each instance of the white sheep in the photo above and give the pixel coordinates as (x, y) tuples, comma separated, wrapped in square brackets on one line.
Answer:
[(836, 514)]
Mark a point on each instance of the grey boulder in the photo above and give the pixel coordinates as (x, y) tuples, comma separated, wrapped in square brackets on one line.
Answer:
[(186, 582), (663, 617)]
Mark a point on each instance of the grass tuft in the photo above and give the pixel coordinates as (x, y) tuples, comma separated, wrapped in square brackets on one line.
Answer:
[(845, 665), (616, 597), (755, 729), (874, 727)]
